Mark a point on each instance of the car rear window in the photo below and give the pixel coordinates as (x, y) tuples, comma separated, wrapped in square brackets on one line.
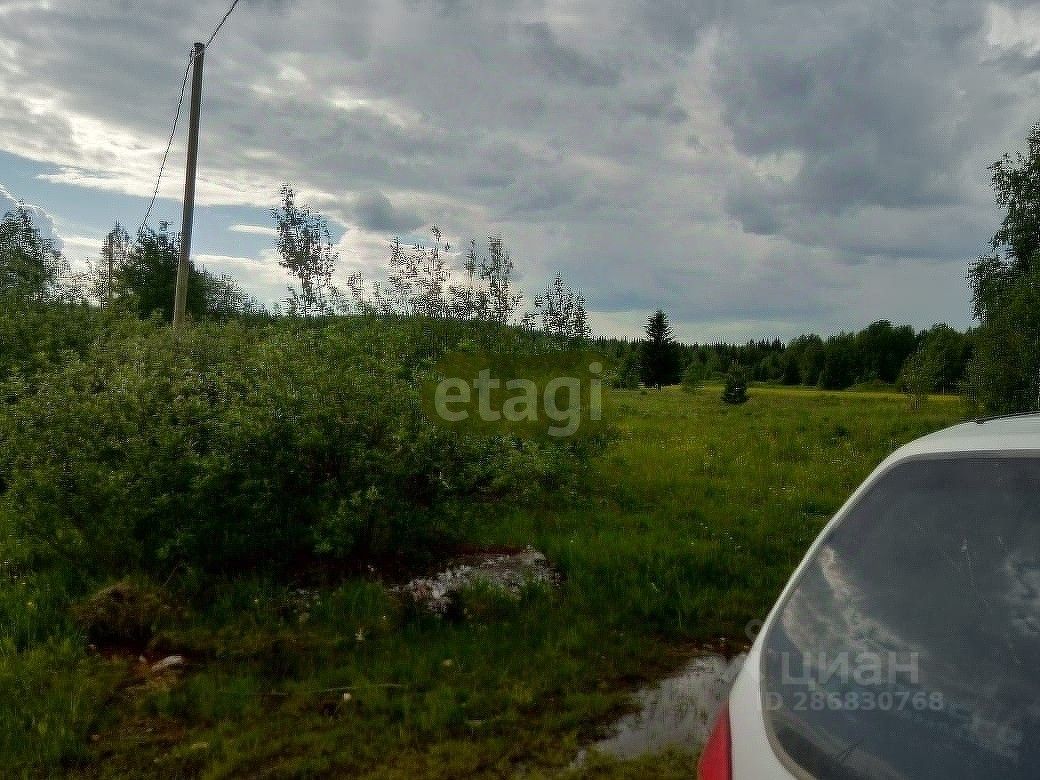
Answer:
[(910, 644)]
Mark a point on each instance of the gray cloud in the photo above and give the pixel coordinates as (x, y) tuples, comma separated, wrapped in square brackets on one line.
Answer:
[(375, 212), (566, 62), (659, 104), (876, 108), (751, 164), (1018, 63), (679, 23)]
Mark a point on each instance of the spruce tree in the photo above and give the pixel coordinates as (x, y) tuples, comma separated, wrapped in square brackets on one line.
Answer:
[(659, 356)]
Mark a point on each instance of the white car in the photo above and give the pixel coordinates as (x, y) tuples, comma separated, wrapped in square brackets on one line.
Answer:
[(907, 643)]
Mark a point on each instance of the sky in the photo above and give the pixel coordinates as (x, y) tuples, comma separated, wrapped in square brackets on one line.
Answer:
[(756, 168)]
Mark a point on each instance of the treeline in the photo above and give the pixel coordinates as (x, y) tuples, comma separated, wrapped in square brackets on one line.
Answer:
[(933, 360), (137, 275)]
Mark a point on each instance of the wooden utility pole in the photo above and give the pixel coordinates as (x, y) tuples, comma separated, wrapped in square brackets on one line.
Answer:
[(180, 300)]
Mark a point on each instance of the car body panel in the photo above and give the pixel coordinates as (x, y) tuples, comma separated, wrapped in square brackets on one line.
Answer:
[(753, 755)]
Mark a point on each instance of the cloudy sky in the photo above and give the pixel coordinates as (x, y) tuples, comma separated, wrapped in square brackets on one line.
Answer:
[(754, 167)]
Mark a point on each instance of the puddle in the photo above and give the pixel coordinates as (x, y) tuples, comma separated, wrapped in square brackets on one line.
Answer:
[(679, 710)]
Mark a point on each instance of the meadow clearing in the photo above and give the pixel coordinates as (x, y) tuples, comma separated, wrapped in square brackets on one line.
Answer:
[(685, 531)]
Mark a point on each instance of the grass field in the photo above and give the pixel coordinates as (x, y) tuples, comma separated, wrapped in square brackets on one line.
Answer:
[(687, 530)]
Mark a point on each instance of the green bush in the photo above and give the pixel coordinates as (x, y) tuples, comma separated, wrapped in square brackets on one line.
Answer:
[(33, 336), (626, 374), (240, 446), (735, 389), (694, 375)]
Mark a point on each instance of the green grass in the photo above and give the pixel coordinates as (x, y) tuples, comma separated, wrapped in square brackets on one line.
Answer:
[(687, 529)]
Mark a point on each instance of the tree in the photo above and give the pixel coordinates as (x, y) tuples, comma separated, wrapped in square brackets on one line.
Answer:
[(791, 374), (839, 363), (224, 297), (694, 374), (30, 265), (486, 294), (659, 358), (495, 300), (770, 368), (713, 365), (626, 375), (416, 283), (419, 282), (144, 281), (809, 354), (305, 245), (113, 255), (1004, 373), (918, 378), (881, 350), (941, 358), (563, 311), (97, 282), (735, 389)]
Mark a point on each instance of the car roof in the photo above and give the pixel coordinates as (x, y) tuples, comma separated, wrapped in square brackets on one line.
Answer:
[(1011, 433)]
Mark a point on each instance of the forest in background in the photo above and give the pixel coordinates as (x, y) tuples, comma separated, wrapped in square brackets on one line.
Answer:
[(880, 355)]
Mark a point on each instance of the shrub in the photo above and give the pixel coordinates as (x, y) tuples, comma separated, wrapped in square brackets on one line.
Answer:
[(735, 389), (232, 446), (694, 375), (33, 336), (625, 374)]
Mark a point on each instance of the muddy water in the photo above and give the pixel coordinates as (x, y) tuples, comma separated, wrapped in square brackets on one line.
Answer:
[(677, 711)]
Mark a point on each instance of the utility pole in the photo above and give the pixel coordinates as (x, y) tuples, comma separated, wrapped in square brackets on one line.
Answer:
[(183, 265)]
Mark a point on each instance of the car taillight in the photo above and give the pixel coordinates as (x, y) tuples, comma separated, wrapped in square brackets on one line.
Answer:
[(715, 762)]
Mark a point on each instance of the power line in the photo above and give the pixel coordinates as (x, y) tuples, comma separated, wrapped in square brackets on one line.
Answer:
[(229, 12), (169, 144), (177, 115)]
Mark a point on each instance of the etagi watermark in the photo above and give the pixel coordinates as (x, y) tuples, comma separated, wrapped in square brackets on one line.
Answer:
[(555, 395)]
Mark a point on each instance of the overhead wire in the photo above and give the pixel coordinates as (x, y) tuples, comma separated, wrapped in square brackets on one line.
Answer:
[(169, 144), (229, 12), (177, 115)]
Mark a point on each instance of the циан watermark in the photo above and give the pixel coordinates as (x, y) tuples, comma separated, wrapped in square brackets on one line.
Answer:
[(846, 680), (556, 395)]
